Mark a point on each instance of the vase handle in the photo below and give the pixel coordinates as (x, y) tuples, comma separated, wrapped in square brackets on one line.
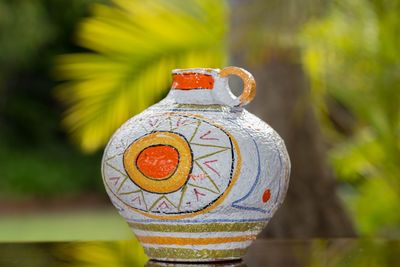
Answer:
[(249, 84)]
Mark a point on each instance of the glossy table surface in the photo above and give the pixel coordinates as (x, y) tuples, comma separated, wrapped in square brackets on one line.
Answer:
[(273, 253)]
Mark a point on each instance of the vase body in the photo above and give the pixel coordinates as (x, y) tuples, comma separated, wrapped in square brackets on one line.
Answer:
[(196, 176)]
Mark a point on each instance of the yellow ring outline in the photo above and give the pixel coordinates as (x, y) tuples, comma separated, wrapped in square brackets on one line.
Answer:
[(161, 186)]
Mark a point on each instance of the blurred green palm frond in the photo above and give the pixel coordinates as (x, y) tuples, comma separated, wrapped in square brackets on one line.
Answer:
[(353, 61), (134, 46)]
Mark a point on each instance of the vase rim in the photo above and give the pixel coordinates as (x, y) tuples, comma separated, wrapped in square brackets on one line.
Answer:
[(196, 70)]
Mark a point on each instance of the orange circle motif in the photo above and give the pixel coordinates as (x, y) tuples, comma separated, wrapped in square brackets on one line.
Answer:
[(158, 162)]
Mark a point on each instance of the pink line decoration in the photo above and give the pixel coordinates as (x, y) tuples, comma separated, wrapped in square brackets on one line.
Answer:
[(207, 163), (163, 203), (153, 122), (203, 137), (179, 122), (198, 193), (137, 199), (115, 179)]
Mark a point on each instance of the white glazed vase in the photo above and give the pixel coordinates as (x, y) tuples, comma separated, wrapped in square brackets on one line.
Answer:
[(196, 176)]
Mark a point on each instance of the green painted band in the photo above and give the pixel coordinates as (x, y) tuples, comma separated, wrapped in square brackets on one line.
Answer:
[(202, 107), (194, 254), (200, 228)]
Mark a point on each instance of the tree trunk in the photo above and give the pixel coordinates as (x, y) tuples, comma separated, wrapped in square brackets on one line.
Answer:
[(312, 207)]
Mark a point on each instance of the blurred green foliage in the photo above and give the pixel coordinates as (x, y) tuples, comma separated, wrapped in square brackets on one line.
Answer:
[(64, 225), (35, 159), (353, 58), (137, 44)]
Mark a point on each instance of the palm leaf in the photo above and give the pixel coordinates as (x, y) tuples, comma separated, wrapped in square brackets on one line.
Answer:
[(135, 46)]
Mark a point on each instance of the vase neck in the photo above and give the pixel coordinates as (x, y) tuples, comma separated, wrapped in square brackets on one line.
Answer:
[(195, 79), (202, 86)]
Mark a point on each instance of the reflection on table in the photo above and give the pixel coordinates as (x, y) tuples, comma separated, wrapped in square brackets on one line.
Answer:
[(271, 253), (237, 263)]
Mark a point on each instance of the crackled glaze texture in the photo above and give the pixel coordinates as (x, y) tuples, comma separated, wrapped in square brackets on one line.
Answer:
[(196, 176)]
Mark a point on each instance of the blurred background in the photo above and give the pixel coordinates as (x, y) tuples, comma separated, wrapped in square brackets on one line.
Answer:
[(72, 71)]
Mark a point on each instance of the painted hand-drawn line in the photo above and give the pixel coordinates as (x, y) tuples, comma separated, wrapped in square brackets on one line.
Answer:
[(269, 207)]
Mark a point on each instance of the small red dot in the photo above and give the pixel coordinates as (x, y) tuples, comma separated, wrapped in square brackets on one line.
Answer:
[(266, 196)]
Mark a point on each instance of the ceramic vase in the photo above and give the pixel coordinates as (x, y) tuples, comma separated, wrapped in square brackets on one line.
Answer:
[(196, 176)]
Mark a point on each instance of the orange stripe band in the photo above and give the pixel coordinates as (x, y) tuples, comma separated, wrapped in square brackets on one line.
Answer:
[(165, 240), (190, 81)]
